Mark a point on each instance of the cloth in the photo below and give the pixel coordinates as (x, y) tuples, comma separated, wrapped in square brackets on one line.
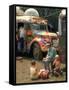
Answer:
[(21, 43), (33, 73), (57, 64), (51, 52), (21, 32), (48, 64), (44, 74)]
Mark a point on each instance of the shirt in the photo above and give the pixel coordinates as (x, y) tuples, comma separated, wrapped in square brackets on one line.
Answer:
[(33, 72), (21, 33), (57, 63), (52, 52)]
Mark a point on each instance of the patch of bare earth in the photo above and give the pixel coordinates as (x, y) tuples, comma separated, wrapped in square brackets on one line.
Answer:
[(23, 75)]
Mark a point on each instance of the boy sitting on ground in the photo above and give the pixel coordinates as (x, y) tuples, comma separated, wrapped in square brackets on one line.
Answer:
[(57, 66), (33, 71), (43, 74)]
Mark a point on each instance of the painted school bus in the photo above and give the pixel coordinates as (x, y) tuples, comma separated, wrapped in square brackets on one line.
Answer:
[(37, 35)]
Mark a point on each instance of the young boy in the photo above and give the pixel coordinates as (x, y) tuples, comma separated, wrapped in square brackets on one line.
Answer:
[(57, 66), (33, 71), (43, 74)]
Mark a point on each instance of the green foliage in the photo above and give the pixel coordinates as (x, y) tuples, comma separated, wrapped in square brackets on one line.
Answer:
[(49, 13)]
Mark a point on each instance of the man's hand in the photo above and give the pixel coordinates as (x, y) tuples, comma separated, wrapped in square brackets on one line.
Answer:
[(47, 58)]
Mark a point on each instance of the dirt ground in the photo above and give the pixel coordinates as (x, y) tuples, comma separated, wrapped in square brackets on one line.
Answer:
[(23, 75)]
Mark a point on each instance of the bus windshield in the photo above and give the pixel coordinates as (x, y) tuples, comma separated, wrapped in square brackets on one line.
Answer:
[(41, 27)]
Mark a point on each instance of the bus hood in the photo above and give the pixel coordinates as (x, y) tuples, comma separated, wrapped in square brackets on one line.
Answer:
[(44, 33)]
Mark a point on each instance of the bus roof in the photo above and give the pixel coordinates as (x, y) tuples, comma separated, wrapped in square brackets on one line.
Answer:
[(31, 19)]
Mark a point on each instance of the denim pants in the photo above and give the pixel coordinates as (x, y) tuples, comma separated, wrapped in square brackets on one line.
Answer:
[(21, 44), (48, 64)]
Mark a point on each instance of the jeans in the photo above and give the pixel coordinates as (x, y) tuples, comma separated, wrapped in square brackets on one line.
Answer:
[(21, 44), (48, 64)]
